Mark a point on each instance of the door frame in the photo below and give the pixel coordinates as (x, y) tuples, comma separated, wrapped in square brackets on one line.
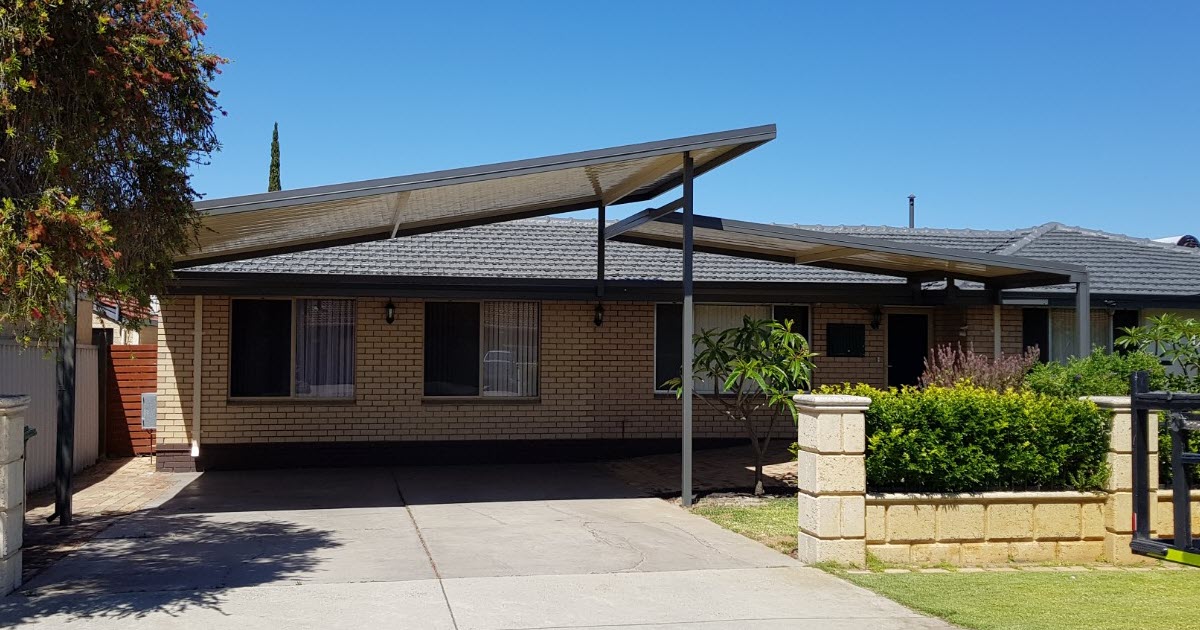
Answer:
[(927, 311)]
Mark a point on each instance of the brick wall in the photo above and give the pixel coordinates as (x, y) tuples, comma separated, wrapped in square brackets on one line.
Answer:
[(869, 369), (973, 328), (595, 383)]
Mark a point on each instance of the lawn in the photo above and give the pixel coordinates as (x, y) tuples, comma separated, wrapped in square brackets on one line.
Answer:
[(1088, 600), (772, 522), (986, 601)]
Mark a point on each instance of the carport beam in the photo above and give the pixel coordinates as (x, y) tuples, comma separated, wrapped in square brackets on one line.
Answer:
[(688, 324)]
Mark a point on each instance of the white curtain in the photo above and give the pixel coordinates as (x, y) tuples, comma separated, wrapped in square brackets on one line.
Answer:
[(1064, 339), (510, 348), (718, 317), (325, 348)]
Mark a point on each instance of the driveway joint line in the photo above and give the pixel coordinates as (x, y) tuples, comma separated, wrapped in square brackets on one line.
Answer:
[(437, 574)]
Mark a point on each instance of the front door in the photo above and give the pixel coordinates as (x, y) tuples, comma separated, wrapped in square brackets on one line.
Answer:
[(908, 342)]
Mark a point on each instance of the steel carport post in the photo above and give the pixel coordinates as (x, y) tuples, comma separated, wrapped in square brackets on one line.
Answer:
[(1083, 314), (688, 324)]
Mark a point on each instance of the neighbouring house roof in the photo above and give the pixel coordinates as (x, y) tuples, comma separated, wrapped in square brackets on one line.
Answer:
[(564, 249), (125, 310)]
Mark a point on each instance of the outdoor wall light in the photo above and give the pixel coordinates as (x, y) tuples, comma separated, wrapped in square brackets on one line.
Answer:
[(599, 318), (876, 318), (389, 312)]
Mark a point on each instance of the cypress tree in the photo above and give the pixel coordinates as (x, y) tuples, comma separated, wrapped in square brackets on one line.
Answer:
[(273, 178)]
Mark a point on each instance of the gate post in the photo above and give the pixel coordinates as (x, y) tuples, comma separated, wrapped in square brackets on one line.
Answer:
[(1118, 509), (832, 478), (12, 489)]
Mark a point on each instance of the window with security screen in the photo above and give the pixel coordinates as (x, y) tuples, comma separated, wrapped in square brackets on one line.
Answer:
[(846, 340)]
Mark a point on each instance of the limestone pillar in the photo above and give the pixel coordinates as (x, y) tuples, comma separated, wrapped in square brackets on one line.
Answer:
[(832, 478), (12, 489)]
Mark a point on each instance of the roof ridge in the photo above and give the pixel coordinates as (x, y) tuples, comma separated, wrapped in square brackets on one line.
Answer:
[(1034, 234), (906, 230), (1140, 240)]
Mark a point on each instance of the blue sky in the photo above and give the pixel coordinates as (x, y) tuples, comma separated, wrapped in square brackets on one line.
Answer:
[(996, 115)]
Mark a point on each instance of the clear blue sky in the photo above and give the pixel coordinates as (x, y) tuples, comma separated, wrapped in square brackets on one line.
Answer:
[(996, 115)]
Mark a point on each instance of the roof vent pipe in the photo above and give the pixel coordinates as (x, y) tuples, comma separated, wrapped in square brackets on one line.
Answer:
[(912, 211)]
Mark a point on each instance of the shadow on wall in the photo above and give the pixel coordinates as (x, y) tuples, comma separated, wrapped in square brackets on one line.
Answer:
[(156, 562)]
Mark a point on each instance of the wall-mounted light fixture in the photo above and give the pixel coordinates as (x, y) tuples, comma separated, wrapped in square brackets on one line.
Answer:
[(599, 318), (876, 318), (389, 312)]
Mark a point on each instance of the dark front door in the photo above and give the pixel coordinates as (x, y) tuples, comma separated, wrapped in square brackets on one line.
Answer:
[(908, 341)]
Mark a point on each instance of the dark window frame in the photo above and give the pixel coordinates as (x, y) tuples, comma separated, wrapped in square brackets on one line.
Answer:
[(291, 396), (479, 395)]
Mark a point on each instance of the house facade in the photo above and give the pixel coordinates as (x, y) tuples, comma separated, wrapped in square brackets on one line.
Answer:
[(499, 340)]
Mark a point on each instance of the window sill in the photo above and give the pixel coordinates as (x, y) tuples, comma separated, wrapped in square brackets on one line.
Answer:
[(291, 400), (481, 400)]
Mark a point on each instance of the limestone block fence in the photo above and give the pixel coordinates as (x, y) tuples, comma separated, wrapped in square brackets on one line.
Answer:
[(12, 489), (840, 521)]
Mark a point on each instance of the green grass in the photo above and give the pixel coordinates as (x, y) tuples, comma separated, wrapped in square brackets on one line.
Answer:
[(1089, 600), (773, 523)]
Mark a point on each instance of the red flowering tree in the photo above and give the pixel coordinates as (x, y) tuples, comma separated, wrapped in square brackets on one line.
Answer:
[(104, 105)]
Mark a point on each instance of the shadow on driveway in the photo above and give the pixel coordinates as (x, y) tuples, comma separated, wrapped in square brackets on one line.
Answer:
[(172, 572)]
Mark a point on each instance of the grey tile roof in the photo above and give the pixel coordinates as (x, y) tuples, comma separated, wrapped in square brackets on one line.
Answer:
[(561, 248)]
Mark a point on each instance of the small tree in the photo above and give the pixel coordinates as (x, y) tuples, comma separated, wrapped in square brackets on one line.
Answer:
[(273, 176), (754, 370), (1172, 338)]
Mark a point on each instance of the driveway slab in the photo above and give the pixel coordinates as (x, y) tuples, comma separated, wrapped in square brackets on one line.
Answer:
[(464, 548), (735, 597)]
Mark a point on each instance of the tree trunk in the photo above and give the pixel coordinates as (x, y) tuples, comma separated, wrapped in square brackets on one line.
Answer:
[(759, 490)]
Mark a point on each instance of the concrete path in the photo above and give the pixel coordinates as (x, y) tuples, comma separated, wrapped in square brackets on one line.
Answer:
[(466, 548)]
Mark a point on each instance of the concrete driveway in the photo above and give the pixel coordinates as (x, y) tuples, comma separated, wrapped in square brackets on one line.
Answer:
[(470, 548)]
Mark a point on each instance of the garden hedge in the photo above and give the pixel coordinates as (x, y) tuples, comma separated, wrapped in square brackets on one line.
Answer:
[(970, 439)]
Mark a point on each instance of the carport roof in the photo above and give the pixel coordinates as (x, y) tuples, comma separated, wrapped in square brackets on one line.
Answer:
[(840, 251), (309, 218)]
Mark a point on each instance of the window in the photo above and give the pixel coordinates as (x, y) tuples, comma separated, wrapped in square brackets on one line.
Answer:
[(668, 331), (301, 348), (1054, 332), (1064, 339), (846, 340), (481, 349)]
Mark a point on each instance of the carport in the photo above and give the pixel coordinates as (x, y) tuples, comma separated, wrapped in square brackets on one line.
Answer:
[(294, 220)]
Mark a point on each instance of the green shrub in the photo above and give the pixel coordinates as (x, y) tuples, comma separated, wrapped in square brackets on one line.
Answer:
[(969, 439), (1100, 374)]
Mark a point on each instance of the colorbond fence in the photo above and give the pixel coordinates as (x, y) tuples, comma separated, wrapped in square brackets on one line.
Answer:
[(32, 372)]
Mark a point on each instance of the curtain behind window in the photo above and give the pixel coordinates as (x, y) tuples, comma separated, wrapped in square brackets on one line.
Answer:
[(325, 348), (510, 348), (1063, 338), (718, 317)]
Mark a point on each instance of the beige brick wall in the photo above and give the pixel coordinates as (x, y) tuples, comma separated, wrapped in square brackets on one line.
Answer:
[(870, 369), (1164, 515), (986, 528), (596, 382)]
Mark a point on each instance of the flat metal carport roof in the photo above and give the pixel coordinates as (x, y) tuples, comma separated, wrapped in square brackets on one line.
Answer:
[(323, 216), (839, 251)]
